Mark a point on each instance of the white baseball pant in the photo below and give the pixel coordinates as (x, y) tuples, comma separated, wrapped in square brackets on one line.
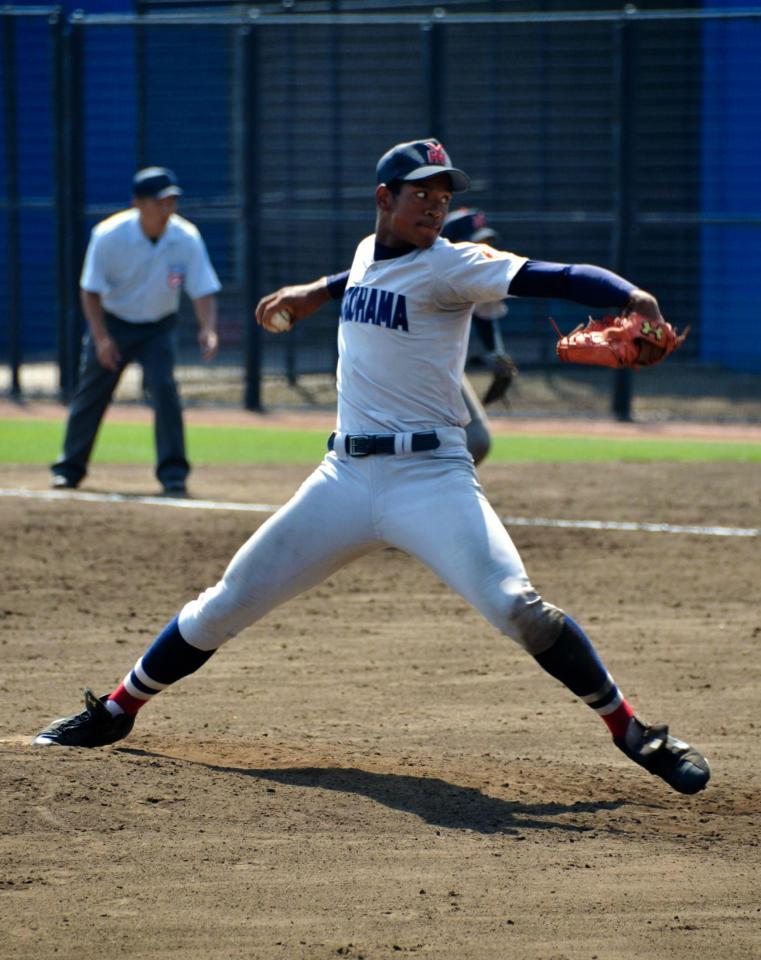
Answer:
[(429, 504)]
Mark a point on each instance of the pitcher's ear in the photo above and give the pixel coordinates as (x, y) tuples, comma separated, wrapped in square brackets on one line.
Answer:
[(384, 198)]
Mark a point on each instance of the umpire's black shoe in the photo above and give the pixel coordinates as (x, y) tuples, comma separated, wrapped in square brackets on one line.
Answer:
[(676, 762), (95, 727), (60, 482), (175, 489)]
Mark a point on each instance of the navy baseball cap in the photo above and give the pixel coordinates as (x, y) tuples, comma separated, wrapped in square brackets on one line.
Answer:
[(468, 224), (157, 182), (416, 161)]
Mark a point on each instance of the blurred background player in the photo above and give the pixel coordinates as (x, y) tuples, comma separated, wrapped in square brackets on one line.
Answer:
[(137, 263), (471, 225)]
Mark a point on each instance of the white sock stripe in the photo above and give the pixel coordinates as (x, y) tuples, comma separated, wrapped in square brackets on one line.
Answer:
[(614, 704), (133, 691), (143, 677), (602, 692)]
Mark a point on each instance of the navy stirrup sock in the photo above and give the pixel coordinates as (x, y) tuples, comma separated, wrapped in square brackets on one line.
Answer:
[(168, 659), (575, 663)]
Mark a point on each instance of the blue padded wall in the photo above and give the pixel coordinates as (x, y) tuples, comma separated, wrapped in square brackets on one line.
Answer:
[(731, 140)]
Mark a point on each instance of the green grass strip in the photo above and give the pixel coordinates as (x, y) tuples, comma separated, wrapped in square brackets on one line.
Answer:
[(566, 449), (38, 442)]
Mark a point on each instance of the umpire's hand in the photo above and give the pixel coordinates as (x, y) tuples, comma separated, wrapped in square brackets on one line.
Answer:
[(107, 353), (208, 342)]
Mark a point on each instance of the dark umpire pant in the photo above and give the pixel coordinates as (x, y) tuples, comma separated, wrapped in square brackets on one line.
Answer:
[(153, 346)]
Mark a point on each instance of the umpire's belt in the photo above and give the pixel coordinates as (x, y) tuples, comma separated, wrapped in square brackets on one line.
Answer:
[(366, 444)]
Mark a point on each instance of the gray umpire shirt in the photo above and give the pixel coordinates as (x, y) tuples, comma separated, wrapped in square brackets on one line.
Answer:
[(140, 281)]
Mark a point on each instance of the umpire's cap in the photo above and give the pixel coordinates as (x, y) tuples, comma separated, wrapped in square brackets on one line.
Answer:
[(156, 182), (416, 161), (468, 224)]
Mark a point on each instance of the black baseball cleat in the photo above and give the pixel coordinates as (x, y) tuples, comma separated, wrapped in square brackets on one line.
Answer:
[(682, 767), (95, 727)]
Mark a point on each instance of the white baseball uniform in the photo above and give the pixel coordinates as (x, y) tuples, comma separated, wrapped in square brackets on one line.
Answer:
[(402, 340)]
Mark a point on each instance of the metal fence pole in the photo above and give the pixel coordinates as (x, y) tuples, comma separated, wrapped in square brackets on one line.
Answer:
[(336, 123), (142, 94), (60, 213), (433, 67), (621, 398), (251, 216), (11, 192), (69, 205)]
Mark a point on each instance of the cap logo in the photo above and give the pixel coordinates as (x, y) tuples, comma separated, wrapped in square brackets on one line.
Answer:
[(436, 154), (479, 220)]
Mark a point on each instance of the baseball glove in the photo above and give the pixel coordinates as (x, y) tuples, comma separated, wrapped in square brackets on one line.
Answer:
[(630, 341)]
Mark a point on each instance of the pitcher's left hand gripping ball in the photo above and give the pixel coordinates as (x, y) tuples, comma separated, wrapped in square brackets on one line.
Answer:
[(626, 341)]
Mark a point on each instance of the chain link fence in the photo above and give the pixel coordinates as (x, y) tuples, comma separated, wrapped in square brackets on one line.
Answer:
[(623, 138)]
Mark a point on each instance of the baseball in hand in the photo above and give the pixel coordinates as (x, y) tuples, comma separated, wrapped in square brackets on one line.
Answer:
[(281, 321)]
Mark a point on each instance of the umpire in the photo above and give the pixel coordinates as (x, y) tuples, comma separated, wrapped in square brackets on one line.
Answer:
[(136, 264)]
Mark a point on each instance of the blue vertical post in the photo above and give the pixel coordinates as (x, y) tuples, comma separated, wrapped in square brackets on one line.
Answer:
[(251, 214), (12, 198), (621, 400)]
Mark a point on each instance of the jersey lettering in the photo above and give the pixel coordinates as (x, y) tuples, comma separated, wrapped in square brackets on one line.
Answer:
[(385, 302), (360, 307), (382, 308), (370, 306), (399, 319)]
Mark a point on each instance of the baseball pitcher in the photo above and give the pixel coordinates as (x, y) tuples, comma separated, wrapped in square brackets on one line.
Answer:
[(397, 464)]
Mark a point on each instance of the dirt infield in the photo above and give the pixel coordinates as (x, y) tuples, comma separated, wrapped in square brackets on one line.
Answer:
[(372, 771)]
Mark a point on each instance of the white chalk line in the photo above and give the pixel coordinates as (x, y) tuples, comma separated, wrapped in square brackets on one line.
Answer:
[(190, 504), (632, 525), (163, 501)]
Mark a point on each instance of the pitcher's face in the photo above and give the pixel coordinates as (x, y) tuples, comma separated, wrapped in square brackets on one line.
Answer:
[(416, 214)]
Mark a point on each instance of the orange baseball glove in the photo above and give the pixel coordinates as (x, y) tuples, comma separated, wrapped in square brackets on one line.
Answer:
[(630, 341)]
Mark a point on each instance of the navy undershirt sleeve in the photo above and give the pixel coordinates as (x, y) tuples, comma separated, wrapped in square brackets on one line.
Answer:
[(580, 283), (337, 281), (337, 284)]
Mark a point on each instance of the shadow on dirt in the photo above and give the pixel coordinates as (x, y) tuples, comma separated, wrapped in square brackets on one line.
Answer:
[(435, 801)]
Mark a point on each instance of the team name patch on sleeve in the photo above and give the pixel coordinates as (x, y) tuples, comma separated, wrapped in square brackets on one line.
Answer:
[(382, 308)]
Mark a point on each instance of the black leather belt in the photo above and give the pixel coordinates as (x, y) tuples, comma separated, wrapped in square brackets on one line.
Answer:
[(366, 444)]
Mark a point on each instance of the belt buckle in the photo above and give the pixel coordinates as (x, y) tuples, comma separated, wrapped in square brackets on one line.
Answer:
[(359, 445)]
